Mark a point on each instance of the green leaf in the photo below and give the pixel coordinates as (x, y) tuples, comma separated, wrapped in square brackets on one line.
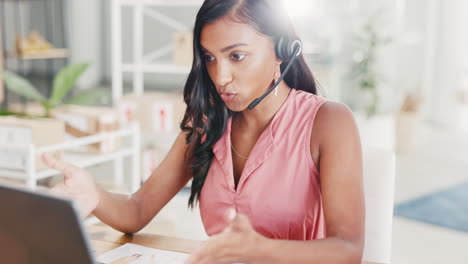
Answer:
[(65, 80), (4, 112), (21, 86), (88, 97)]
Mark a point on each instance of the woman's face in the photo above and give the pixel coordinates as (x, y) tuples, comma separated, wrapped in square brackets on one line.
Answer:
[(240, 61)]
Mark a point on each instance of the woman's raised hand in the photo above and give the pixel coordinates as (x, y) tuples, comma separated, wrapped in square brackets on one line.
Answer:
[(76, 185)]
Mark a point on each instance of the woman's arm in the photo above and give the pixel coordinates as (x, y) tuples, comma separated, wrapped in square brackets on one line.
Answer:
[(130, 214), (340, 165)]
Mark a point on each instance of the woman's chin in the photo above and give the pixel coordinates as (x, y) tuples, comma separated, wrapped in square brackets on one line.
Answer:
[(235, 107)]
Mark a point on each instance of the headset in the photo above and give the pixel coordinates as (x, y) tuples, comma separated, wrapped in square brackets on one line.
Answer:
[(287, 50)]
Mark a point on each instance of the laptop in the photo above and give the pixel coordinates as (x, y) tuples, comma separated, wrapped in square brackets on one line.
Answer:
[(40, 228)]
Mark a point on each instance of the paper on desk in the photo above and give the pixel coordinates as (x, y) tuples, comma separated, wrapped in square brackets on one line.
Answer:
[(136, 254)]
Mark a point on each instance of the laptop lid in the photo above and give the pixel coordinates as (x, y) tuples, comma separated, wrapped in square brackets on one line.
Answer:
[(39, 228)]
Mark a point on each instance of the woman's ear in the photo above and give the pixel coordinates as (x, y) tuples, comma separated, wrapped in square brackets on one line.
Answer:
[(277, 72), (278, 65)]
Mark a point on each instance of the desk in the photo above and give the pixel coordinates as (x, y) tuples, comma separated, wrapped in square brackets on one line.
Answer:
[(104, 238)]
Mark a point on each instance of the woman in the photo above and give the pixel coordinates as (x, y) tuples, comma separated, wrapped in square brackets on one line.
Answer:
[(279, 183)]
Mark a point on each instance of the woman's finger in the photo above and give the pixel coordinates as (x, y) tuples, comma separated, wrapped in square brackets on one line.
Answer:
[(57, 164)]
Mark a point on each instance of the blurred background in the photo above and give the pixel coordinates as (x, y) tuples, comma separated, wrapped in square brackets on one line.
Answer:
[(400, 65)]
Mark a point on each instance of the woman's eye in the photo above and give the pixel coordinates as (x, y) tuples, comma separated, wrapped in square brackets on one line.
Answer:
[(208, 58), (237, 57)]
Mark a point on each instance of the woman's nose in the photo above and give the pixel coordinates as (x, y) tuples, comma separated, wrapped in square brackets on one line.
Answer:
[(222, 75)]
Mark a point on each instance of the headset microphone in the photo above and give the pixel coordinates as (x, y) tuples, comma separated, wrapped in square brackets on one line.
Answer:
[(291, 51)]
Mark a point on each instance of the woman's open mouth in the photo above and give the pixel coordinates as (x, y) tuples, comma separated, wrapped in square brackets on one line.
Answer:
[(227, 97)]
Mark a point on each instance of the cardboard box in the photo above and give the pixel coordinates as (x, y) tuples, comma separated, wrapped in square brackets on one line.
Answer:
[(21, 132), (81, 121), (158, 112), (183, 48), (29, 109), (151, 158)]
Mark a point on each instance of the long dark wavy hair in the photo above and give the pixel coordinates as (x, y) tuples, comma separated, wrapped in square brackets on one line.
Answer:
[(206, 115)]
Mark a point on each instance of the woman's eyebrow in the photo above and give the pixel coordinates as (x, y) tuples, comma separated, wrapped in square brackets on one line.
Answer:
[(230, 47), (233, 46)]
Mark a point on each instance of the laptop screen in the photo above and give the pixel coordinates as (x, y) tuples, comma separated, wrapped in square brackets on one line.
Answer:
[(39, 228)]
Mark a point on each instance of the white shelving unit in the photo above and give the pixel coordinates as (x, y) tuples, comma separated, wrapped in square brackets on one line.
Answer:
[(142, 63), (82, 159)]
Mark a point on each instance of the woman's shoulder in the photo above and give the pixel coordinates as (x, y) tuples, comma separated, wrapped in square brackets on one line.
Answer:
[(334, 110), (333, 120)]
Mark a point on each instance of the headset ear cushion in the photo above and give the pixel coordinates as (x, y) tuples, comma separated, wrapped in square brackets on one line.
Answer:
[(286, 48), (293, 46), (281, 49)]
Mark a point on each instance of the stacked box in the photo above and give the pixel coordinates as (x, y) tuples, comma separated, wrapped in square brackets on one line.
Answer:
[(156, 112), (151, 158), (30, 109), (183, 48), (86, 121), (18, 133)]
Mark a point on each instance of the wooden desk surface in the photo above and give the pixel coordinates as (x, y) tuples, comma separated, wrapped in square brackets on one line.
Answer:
[(104, 238)]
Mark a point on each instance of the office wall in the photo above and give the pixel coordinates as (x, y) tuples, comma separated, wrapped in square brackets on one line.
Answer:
[(450, 61), (85, 39)]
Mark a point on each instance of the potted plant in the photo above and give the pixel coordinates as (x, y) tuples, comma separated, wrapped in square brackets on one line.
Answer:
[(376, 128), (364, 76), (47, 110), (63, 83)]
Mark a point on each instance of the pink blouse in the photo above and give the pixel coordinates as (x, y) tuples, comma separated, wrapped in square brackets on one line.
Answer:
[(279, 188)]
